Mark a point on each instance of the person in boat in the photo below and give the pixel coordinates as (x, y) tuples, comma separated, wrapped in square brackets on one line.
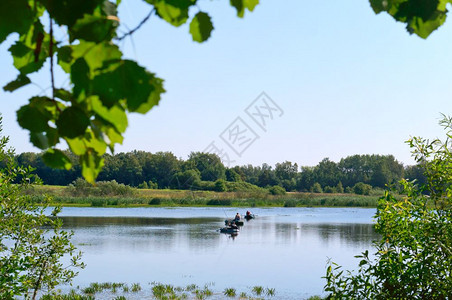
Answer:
[(248, 213), (237, 217)]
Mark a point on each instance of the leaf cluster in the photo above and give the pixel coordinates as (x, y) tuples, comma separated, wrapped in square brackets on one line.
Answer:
[(414, 256), (90, 114)]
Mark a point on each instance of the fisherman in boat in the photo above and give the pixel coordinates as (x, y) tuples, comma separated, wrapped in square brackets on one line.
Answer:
[(248, 214), (237, 217)]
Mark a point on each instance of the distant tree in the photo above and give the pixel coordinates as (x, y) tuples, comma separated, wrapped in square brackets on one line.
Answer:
[(249, 173), (232, 175), (339, 188), (327, 173), (188, 179), (305, 179), (286, 170), (209, 165), (161, 167), (267, 176), (416, 172)]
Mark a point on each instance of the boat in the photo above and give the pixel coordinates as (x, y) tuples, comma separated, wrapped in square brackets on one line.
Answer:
[(238, 223), (229, 229), (249, 217)]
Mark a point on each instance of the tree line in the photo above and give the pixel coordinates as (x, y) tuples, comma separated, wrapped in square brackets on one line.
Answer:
[(164, 170)]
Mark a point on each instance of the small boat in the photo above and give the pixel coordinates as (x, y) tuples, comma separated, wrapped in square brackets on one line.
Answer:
[(249, 217), (229, 229), (238, 223)]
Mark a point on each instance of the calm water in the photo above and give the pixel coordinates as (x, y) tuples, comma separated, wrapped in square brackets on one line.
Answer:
[(283, 248)]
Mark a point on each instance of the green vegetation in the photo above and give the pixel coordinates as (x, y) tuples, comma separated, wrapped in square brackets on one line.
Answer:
[(413, 259), (167, 198), (32, 244), (359, 174), (230, 292)]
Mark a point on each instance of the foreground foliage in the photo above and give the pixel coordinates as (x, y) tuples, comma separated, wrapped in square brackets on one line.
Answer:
[(91, 113), (414, 256), (31, 243)]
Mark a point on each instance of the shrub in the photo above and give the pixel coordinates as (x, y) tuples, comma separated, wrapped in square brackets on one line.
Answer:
[(329, 190), (220, 185), (362, 189), (32, 244), (277, 190), (290, 203), (220, 202), (413, 257), (316, 188), (155, 201), (339, 188), (143, 185)]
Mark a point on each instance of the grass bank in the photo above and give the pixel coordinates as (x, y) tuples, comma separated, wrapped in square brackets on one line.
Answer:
[(171, 198)]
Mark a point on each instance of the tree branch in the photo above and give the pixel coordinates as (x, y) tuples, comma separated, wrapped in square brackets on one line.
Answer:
[(51, 59), (137, 27)]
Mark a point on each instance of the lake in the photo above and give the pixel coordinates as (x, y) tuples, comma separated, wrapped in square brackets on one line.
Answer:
[(282, 248)]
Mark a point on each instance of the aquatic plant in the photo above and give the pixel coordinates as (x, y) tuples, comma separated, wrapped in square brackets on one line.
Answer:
[(229, 292), (135, 287), (270, 292), (258, 290)]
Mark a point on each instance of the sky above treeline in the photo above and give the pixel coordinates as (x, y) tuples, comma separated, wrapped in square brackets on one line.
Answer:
[(337, 79)]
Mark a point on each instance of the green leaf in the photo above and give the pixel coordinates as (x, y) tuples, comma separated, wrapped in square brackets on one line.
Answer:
[(64, 95), (32, 49), (91, 165), (76, 145), (96, 55), (80, 77), (96, 143), (93, 28), (131, 82), (174, 12), (422, 17), (55, 158), (15, 16), (68, 12), (65, 58), (72, 122), (31, 118), (19, 82), (201, 27), (241, 5), (115, 115), (44, 140)]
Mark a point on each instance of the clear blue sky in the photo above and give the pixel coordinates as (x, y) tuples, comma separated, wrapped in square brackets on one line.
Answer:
[(349, 82)]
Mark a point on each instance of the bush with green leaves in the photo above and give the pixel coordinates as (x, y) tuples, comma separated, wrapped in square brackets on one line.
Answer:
[(362, 188), (220, 185), (277, 190), (316, 188), (32, 244), (413, 258)]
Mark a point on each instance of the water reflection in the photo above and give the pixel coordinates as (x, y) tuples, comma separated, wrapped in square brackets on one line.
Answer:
[(285, 252)]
